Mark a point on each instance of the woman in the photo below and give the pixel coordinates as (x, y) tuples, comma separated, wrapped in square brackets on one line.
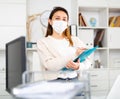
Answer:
[(58, 48)]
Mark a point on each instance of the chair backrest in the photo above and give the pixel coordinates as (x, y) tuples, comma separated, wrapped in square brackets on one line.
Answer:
[(36, 67)]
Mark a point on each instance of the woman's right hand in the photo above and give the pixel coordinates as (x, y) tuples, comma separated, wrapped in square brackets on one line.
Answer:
[(80, 50)]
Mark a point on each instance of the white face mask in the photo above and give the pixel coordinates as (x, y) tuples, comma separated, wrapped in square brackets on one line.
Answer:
[(59, 26)]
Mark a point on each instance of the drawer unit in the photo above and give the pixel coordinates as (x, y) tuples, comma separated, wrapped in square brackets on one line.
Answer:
[(99, 74), (99, 79), (99, 85)]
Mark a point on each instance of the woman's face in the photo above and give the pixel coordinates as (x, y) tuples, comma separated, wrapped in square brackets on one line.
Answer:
[(59, 16)]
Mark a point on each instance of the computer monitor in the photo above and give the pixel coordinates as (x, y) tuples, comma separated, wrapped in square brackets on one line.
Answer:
[(15, 62)]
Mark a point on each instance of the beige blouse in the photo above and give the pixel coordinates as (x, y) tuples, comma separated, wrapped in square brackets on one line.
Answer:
[(54, 54)]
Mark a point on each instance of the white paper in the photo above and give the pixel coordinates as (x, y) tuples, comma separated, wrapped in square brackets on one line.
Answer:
[(49, 90)]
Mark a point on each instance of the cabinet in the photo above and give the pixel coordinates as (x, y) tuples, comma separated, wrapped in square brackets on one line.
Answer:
[(103, 76), (101, 17), (108, 53), (99, 82)]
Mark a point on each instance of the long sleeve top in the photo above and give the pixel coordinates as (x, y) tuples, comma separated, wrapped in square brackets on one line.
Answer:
[(55, 53)]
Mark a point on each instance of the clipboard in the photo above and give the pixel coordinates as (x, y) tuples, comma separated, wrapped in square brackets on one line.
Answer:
[(83, 56)]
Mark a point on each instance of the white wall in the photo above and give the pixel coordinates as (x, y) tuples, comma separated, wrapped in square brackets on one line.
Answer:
[(12, 20)]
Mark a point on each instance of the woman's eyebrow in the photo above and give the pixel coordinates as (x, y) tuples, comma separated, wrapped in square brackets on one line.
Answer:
[(65, 17)]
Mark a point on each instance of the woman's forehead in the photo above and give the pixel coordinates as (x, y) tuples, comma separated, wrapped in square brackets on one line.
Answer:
[(60, 14)]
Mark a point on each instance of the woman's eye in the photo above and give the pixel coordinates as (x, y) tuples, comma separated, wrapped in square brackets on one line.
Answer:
[(64, 19), (57, 18)]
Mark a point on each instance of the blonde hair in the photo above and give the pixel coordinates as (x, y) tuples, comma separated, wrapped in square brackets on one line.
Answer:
[(68, 36)]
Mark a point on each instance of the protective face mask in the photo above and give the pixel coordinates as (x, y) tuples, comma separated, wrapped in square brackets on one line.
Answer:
[(59, 26)]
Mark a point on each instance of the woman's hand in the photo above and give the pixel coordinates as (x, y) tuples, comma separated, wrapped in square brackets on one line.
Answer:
[(73, 65), (80, 50)]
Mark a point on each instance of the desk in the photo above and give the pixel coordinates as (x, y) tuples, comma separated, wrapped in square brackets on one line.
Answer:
[(49, 90), (45, 89)]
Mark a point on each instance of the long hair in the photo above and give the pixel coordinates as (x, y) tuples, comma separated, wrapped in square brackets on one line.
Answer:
[(50, 29)]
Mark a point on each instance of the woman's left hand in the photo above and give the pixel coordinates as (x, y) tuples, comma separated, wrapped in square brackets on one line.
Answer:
[(73, 65)]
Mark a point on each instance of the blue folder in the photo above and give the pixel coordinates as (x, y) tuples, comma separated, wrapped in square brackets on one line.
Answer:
[(83, 56)]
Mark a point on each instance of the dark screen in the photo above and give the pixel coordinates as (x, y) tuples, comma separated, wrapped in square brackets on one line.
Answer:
[(15, 62)]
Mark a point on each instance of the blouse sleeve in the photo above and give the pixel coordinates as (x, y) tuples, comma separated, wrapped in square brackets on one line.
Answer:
[(49, 59)]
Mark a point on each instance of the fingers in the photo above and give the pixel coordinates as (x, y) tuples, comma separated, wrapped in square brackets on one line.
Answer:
[(80, 50), (73, 65), (78, 60)]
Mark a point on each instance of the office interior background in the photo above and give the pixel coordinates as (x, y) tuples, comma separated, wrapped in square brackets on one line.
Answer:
[(28, 18)]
